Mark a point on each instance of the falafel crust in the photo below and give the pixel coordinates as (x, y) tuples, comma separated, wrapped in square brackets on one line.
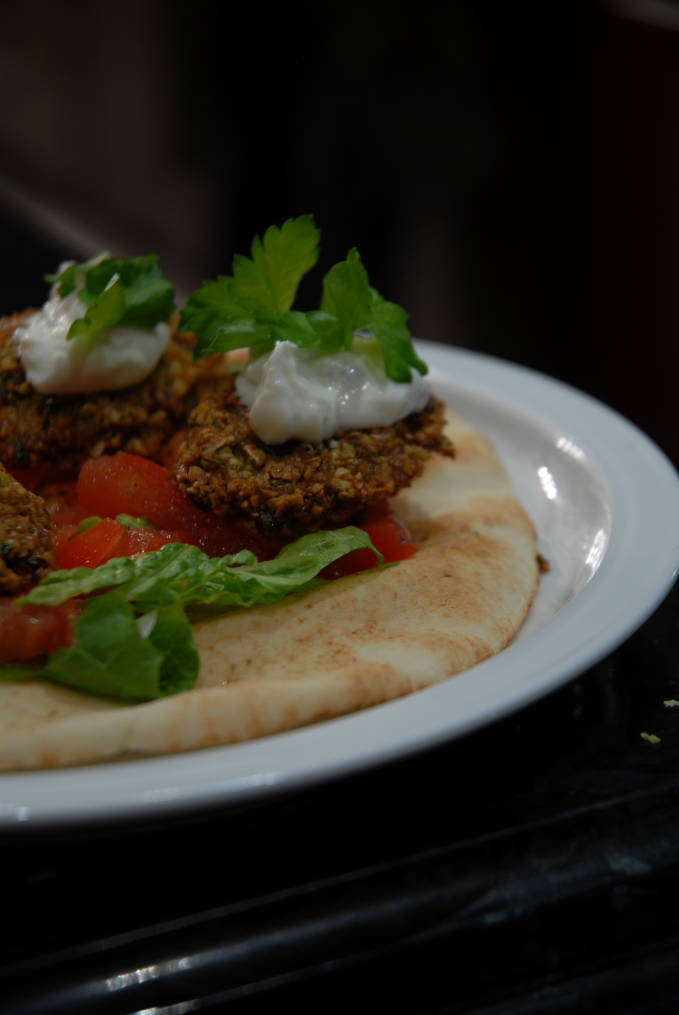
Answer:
[(26, 536), (298, 487), (66, 429)]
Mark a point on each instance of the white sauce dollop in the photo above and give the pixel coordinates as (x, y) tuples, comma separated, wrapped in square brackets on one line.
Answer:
[(110, 360), (294, 393)]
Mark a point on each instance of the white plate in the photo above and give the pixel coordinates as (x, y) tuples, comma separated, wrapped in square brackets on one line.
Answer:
[(605, 502)]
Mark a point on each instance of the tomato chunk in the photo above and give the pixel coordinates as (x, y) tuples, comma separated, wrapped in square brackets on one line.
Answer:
[(132, 485), (143, 541), (391, 538), (128, 484), (94, 546), (27, 632), (387, 533), (219, 537)]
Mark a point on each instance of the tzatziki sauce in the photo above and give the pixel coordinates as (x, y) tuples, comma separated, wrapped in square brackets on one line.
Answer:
[(109, 360), (295, 393)]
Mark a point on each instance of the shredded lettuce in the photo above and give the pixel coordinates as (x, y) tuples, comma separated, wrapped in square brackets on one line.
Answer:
[(252, 307), (133, 638)]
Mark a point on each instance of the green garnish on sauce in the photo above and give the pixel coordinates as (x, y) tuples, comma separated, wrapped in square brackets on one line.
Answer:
[(117, 292), (252, 307), (133, 637)]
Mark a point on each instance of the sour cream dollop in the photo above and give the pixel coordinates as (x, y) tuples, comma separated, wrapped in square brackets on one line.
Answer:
[(295, 393), (110, 360)]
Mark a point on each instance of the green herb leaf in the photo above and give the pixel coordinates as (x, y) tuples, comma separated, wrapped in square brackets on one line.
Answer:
[(184, 574), (346, 297), (171, 635), (114, 654), (14, 672), (388, 325), (111, 656), (68, 278), (117, 293), (244, 309), (252, 308), (88, 523), (130, 522), (104, 312), (279, 262)]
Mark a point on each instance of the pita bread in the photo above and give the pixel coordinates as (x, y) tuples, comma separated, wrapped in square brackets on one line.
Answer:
[(351, 644)]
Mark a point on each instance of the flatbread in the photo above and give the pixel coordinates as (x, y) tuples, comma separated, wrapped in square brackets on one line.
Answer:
[(353, 643)]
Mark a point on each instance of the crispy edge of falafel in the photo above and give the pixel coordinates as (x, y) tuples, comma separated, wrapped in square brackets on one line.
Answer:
[(298, 486), (26, 536), (66, 429)]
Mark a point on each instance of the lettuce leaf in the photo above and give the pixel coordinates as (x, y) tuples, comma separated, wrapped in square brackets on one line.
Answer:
[(133, 638), (112, 657), (118, 656), (182, 573)]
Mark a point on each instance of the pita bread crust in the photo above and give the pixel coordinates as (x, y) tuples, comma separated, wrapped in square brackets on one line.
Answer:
[(353, 643)]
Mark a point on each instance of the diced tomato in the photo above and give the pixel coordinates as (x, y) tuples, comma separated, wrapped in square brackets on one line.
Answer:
[(128, 484), (27, 632), (391, 538), (143, 541), (67, 514), (94, 546), (218, 537), (62, 535), (387, 533)]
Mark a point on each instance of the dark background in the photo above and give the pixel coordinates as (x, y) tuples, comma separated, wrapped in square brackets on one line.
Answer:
[(507, 171)]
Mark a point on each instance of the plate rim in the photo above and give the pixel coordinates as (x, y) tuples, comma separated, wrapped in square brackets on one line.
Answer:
[(151, 788)]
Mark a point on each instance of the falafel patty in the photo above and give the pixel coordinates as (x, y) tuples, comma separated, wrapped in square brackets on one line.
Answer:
[(26, 535), (66, 429), (299, 487)]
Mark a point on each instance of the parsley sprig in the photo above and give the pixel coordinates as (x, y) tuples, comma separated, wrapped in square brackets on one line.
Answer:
[(117, 292), (252, 307)]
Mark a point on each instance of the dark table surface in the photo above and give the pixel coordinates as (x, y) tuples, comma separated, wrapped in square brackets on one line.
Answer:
[(529, 867)]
